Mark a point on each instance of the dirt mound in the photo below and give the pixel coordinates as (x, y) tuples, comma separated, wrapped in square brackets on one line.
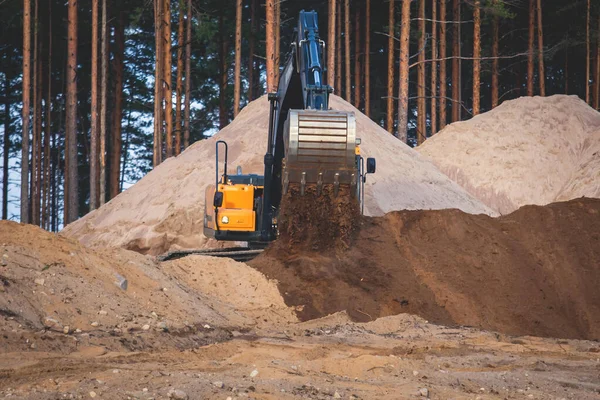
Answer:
[(533, 272), (165, 209), (532, 150), (48, 281)]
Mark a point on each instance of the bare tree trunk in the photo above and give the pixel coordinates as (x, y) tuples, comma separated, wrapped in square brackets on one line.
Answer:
[(567, 70), (403, 72), (338, 49), (368, 59), (6, 147), (270, 39), (277, 29), (598, 67), (71, 175), (103, 103), (26, 103), (35, 145), (542, 73), (223, 117), (347, 71), (476, 57), (331, 44), (421, 101), (39, 147), (443, 73), (531, 44), (188, 70), (587, 54), (357, 69), (251, 50), (389, 124), (168, 72), (179, 86), (158, 84), (495, 60), (237, 84), (115, 156), (434, 56), (94, 175), (48, 131), (456, 70)]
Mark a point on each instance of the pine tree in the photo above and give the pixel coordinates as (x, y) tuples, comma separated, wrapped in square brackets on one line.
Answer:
[(587, 55), (270, 42), (158, 84), (368, 58), (179, 84), (421, 100), (251, 50), (238, 59), (117, 115), (456, 64), (434, 56), (403, 72), (476, 57), (541, 69), (168, 72), (95, 135), (531, 43), (338, 49), (331, 44), (495, 60), (71, 176), (25, 216), (357, 69), (103, 102), (443, 72), (347, 71), (188, 79), (390, 82)]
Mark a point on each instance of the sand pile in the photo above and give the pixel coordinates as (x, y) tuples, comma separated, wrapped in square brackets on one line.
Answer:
[(53, 282), (165, 209), (533, 272), (526, 151)]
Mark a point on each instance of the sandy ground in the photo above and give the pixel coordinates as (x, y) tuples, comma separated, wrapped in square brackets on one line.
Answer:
[(532, 150), (400, 357), (165, 209)]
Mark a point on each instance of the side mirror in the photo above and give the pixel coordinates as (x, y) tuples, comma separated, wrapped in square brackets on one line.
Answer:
[(218, 200), (371, 165)]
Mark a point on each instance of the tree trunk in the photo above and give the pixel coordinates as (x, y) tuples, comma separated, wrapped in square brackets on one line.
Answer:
[(443, 73), (347, 71), (368, 58), (567, 70), (277, 29), (587, 54), (389, 124), (270, 47), (456, 70), (103, 103), (495, 61), (598, 67), (237, 84), (530, 59), (421, 101), (115, 156), (338, 49), (179, 86), (71, 175), (188, 70), (434, 56), (35, 144), (158, 84), (48, 131), (357, 69), (94, 175), (168, 72), (39, 136), (223, 117), (251, 50), (476, 57), (26, 103), (403, 72), (542, 73), (6, 147), (331, 44)]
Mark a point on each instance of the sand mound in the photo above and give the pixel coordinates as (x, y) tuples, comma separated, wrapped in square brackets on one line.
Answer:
[(526, 151), (533, 272), (50, 281), (165, 209)]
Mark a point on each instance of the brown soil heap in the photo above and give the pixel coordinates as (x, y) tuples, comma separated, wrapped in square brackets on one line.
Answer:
[(533, 272)]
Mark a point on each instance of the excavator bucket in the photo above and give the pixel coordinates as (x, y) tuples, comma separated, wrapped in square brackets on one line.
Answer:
[(320, 149)]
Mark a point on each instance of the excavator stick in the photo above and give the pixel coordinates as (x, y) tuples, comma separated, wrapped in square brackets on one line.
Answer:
[(320, 149)]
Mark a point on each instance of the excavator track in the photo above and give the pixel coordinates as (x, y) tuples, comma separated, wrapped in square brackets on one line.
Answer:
[(236, 253)]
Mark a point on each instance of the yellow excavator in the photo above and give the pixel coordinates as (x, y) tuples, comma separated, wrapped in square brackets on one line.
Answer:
[(308, 145)]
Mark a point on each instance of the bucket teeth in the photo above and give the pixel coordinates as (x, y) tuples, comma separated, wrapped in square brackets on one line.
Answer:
[(303, 184), (336, 184), (320, 184)]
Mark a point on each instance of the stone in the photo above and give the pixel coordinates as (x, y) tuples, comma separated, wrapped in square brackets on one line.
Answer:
[(95, 324), (163, 326), (39, 281), (51, 323), (146, 327), (177, 394), (103, 312), (415, 373), (154, 315), (424, 392), (66, 330), (253, 373), (116, 371), (219, 384), (92, 394), (121, 282), (336, 395)]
